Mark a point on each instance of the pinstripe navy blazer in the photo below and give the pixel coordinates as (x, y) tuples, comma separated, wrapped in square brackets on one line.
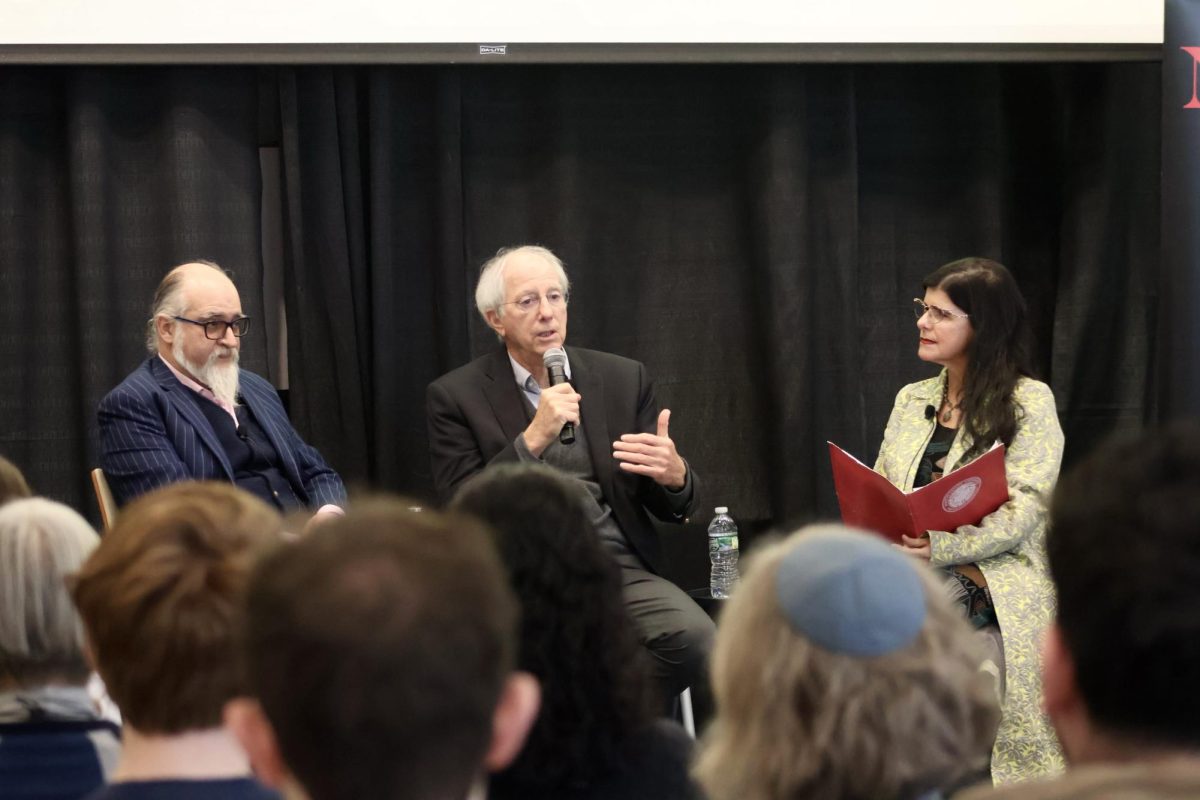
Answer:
[(152, 434)]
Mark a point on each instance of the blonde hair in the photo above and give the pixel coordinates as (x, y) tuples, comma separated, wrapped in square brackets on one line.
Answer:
[(795, 720), (41, 637)]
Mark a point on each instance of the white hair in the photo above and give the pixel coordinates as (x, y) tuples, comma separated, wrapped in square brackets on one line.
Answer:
[(489, 292), (41, 636), (168, 298)]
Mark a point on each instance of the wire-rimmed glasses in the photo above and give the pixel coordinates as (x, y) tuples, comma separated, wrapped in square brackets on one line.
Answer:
[(526, 303), (921, 308)]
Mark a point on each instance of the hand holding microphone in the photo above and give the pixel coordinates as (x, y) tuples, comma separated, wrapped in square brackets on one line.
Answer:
[(558, 408), (555, 360)]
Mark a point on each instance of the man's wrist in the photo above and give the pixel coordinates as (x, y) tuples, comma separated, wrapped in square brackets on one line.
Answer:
[(534, 447), (682, 480), (684, 489)]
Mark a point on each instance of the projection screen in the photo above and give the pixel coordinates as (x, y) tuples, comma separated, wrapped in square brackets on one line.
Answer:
[(486, 31)]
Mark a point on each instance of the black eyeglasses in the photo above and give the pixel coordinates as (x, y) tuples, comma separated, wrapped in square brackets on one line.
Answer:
[(215, 328)]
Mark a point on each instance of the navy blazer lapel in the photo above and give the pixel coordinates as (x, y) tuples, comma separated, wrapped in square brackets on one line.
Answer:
[(504, 395), (589, 383), (186, 408)]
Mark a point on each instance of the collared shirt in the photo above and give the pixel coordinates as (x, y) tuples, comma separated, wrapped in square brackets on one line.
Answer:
[(201, 390), (529, 384)]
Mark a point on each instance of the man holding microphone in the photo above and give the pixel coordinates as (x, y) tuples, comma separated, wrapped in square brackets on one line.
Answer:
[(601, 427)]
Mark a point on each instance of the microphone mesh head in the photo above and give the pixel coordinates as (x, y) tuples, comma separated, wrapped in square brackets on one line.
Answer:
[(554, 357)]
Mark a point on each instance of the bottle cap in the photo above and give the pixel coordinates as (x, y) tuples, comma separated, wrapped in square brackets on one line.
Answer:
[(721, 510)]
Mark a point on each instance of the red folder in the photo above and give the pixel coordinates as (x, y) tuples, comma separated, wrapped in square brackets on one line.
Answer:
[(962, 497)]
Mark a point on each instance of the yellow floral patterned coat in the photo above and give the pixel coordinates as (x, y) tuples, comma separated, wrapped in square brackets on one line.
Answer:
[(1008, 546)]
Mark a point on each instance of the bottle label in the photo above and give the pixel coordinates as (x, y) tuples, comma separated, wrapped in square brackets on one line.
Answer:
[(722, 544)]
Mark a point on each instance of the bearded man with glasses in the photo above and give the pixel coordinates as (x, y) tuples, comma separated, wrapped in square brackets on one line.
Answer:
[(618, 453), (189, 412)]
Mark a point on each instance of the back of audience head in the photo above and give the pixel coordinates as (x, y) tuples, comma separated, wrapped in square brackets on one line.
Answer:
[(1124, 553), (841, 670), (379, 652), (41, 639), (576, 637), (13, 485), (161, 602)]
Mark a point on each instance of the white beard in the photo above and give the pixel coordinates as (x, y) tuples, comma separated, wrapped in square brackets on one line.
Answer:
[(219, 375)]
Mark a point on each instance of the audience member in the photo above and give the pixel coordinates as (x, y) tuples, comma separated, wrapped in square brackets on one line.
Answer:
[(595, 737), (161, 603), (1122, 658), (380, 653), (53, 743), (842, 670), (12, 483)]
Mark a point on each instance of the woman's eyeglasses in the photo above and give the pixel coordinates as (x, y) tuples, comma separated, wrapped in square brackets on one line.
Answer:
[(921, 308)]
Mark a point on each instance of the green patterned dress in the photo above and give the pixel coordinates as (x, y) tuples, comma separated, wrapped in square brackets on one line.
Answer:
[(1008, 546)]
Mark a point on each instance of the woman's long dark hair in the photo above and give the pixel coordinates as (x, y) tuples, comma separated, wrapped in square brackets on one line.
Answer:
[(998, 355), (576, 636)]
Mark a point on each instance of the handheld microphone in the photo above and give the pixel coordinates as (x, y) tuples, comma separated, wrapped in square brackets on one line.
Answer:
[(929, 412), (555, 360)]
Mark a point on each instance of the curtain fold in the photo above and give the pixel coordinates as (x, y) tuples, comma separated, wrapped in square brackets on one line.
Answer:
[(373, 261), (325, 261), (801, 193)]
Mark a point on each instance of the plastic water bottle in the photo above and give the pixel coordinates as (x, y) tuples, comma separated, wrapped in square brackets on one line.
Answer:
[(722, 552)]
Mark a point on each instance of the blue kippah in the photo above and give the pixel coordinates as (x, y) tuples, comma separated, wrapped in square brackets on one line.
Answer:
[(851, 593)]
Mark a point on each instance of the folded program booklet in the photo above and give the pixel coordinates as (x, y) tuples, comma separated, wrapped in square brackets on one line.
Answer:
[(962, 497)]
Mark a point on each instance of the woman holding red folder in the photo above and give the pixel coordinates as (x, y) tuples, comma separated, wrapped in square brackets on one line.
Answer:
[(972, 321)]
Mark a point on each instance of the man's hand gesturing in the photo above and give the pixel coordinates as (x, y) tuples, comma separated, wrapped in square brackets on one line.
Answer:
[(652, 454)]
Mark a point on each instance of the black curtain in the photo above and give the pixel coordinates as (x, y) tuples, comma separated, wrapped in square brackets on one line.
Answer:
[(753, 233), (108, 177)]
